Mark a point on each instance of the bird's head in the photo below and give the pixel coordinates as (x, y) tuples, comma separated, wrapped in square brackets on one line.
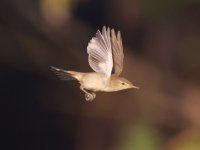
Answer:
[(119, 83)]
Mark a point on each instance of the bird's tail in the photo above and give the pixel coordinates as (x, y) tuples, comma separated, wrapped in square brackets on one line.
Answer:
[(66, 75)]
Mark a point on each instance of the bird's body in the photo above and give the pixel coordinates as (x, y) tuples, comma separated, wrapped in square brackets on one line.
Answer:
[(103, 50), (91, 81), (94, 81)]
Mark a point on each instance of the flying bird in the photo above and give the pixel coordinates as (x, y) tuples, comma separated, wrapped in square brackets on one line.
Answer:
[(105, 55)]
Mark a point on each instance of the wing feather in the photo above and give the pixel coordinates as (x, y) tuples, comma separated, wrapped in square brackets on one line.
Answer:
[(117, 50), (100, 52)]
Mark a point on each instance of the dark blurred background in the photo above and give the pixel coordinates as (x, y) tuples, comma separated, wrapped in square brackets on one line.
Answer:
[(162, 56)]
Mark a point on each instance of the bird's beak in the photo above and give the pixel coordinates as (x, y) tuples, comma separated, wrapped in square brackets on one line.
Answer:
[(135, 87)]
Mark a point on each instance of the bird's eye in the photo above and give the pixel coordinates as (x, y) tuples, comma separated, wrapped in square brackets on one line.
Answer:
[(123, 83)]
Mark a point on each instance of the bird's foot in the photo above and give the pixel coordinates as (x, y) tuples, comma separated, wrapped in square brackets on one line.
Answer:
[(90, 96)]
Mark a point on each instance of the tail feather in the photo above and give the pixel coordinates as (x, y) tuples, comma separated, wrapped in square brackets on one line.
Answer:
[(63, 74)]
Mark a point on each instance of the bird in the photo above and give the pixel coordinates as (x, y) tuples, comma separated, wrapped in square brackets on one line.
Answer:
[(105, 57)]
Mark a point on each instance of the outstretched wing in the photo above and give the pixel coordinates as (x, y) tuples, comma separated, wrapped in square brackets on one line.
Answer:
[(117, 49), (100, 52)]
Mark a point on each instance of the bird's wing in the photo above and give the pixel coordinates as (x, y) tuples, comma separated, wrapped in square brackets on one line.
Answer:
[(117, 49), (100, 52)]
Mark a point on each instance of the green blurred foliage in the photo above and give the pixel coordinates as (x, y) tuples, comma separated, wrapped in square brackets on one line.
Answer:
[(140, 136)]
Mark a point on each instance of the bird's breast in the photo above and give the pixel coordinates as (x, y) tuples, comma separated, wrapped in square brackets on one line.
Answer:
[(94, 81)]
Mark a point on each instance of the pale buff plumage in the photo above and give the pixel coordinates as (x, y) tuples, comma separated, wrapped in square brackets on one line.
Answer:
[(104, 49)]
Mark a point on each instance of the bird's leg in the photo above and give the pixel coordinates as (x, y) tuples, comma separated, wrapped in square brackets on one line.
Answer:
[(88, 96), (93, 94)]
